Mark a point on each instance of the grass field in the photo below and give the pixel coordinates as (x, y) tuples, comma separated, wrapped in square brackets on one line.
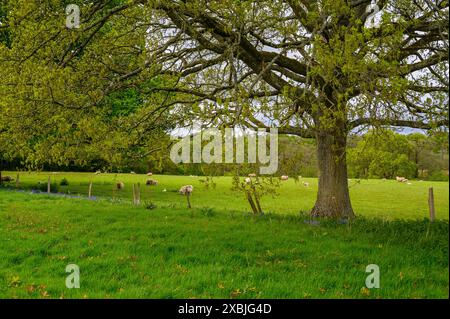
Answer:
[(216, 249), (371, 198)]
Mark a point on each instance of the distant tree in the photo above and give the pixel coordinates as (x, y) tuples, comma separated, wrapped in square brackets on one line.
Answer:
[(420, 145), (382, 154)]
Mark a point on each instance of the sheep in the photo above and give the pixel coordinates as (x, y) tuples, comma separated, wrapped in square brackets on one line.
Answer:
[(120, 185), (284, 177), (132, 172), (401, 179), (248, 180), (7, 179), (97, 172), (306, 184), (149, 174), (186, 190), (151, 182), (252, 175)]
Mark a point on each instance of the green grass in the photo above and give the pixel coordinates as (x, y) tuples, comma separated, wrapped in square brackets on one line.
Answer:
[(217, 250), (371, 198)]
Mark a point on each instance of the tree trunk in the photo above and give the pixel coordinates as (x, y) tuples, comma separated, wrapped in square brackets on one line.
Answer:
[(333, 198)]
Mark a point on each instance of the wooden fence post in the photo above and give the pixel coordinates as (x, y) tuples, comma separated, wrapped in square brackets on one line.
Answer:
[(49, 185), (134, 194), (90, 190), (138, 194), (17, 181), (431, 204)]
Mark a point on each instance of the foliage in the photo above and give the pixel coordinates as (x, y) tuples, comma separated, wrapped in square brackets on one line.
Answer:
[(381, 154), (74, 113), (438, 176), (64, 182)]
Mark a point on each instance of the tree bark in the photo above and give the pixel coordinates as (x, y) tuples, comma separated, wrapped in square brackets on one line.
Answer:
[(333, 198)]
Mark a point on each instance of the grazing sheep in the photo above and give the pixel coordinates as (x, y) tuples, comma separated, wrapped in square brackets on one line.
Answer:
[(120, 185), (186, 190), (252, 175), (284, 177), (151, 182), (401, 179), (98, 172), (7, 179), (306, 184), (248, 180), (132, 172), (149, 174)]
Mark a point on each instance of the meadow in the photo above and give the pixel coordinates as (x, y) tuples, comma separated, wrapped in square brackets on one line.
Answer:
[(387, 199), (217, 249)]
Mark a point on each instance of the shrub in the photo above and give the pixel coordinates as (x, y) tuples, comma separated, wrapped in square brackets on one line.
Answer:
[(438, 176), (64, 182)]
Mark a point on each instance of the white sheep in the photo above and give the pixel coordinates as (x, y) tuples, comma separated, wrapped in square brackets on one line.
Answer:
[(284, 177), (186, 190), (306, 184), (151, 182), (252, 175), (120, 185)]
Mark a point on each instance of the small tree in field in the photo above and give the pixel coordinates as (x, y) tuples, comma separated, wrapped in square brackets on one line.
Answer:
[(254, 188)]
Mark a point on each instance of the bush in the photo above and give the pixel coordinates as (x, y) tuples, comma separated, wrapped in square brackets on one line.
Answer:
[(64, 182), (438, 176)]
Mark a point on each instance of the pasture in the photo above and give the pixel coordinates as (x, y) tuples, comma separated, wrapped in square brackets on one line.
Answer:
[(217, 249), (386, 199)]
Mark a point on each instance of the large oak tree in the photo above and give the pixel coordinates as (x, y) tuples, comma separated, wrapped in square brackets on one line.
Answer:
[(311, 68)]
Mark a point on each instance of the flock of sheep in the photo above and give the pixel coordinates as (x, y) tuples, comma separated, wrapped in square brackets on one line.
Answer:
[(184, 190), (188, 189)]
